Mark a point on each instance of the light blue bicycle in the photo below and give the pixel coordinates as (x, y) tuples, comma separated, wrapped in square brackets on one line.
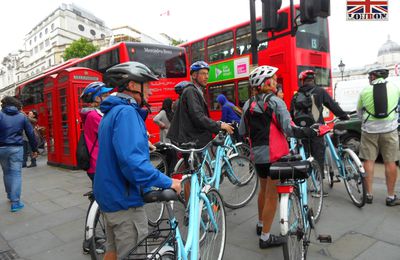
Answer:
[(230, 173), (207, 221), (296, 216), (343, 164)]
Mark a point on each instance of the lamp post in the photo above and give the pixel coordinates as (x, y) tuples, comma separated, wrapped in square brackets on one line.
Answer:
[(341, 67)]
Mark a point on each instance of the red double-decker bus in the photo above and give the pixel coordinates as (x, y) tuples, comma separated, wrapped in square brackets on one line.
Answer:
[(167, 62), (55, 93), (229, 54)]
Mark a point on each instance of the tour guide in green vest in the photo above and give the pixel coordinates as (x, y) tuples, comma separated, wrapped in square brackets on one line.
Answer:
[(377, 108)]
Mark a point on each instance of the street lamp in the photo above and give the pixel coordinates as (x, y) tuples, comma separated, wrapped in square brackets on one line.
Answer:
[(341, 67)]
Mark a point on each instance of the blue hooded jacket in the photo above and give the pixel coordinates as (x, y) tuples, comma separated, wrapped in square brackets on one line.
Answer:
[(228, 115), (123, 168), (12, 124)]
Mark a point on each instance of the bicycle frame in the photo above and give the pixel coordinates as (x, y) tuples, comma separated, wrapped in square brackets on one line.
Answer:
[(198, 193), (336, 156)]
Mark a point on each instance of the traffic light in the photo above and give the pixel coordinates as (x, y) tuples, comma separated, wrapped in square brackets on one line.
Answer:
[(270, 18), (311, 9)]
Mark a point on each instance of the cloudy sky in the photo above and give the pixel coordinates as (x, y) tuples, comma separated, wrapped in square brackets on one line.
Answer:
[(355, 42)]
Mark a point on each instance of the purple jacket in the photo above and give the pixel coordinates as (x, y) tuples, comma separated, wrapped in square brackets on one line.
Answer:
[(91, 119)]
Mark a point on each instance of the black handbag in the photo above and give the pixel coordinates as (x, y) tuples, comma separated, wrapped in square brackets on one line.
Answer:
[(290, 170)]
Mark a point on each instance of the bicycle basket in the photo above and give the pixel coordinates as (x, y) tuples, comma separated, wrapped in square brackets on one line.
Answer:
[(290, 170), (153, 246)]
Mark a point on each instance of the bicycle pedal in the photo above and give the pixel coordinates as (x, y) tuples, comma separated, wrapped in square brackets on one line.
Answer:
[(324, 238)]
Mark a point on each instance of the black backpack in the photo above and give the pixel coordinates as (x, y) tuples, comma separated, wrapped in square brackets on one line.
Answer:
[(380, 102), (82, 152), (303, 107)]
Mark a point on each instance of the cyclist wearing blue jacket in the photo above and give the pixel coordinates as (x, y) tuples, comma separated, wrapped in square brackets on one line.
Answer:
[(123, 168)]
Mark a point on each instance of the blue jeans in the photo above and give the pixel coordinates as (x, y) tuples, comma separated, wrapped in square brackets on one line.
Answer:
[(11, 162)]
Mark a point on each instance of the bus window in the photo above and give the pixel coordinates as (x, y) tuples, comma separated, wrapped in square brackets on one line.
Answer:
[(313, 36), (321, 75), (197, 51), (32, 93), (213, 91), (243, 92), (164, 61), (107, 60), (220, 46), (243, 39)]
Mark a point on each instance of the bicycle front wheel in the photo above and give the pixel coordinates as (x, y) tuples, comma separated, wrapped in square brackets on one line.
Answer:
[(294, 248), (155, 210), (213, 244), (354, 179), (239, 181), (98, 240), (315, 190)]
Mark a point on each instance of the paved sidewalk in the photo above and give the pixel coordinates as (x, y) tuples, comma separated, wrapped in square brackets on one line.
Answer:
[(51, 224)]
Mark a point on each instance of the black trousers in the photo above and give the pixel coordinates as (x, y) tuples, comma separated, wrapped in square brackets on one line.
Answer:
[(317, 147)]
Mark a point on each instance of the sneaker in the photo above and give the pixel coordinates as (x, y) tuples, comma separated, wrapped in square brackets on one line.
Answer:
[(272, 241), (392, 202), (16, 206), (258, 230), (369, 198)]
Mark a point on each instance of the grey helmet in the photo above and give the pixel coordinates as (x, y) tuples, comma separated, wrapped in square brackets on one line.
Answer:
[(260, 74), (121, 74), (378, 71)]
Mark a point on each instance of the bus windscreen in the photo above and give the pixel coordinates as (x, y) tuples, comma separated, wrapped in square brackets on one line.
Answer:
[(165, 62)]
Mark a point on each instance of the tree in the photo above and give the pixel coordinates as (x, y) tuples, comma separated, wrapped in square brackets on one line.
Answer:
[(175, 42), (79, 49)]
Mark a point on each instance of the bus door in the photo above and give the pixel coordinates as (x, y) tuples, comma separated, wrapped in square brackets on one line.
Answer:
[(49, 120)]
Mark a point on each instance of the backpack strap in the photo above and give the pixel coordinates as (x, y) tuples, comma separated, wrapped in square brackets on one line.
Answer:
[(265, 99), (94, 144)]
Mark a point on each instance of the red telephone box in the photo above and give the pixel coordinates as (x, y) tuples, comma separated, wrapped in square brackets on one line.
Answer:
[(50, 120), (69, 84)]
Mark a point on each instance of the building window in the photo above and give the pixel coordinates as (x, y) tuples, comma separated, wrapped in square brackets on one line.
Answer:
[(52, 26), (40, 35), (41, 46), (49, 62), (34, 39), (36, 49), (103, 36), (92, 32), (81, 27), (46, 30), (30, 42), (46, 42)]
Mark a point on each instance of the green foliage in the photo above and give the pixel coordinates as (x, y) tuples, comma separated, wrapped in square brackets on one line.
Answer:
[(177, 42), (79, 49)]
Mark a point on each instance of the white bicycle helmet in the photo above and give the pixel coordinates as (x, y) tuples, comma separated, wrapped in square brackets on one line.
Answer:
[(260, 74)]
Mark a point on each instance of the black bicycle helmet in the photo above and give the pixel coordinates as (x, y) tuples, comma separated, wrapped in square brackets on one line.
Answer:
[(121, 74), (181, 86), (379, 72)]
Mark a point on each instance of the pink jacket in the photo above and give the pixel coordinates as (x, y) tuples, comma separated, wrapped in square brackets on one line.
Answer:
[(91, 120)]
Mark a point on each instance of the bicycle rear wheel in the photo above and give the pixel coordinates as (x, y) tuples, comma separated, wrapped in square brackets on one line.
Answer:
[(354, 179), (155, 210), (212, 247), (294, 248), (98, 240), (239, 181), (315, 190)]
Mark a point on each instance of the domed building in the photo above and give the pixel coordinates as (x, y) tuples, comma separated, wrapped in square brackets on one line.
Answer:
[(389, 53)]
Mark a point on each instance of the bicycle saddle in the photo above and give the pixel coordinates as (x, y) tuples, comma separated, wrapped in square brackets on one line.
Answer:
[(160, 195)]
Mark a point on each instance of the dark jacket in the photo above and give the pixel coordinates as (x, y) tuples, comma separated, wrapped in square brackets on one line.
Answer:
[(192, 122), (123, 169), (12, 125), (322, 98)]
